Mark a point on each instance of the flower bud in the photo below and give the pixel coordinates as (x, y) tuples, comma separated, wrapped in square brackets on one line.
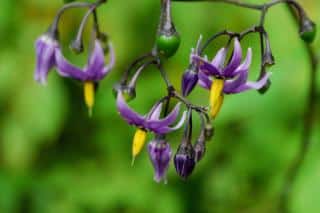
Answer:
[(184, 161), (199, 150), (160, 155), (208, 131), (189, 81), (268, 59), (307, 29)]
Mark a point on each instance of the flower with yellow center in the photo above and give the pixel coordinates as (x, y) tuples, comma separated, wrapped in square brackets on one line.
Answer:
[(151, 122), (230, 79), (91, 74)]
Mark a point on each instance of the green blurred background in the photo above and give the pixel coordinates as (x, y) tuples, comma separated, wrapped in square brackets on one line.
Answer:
[(54, 158)]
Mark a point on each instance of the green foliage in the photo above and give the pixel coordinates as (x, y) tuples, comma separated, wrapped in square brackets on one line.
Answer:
[(54, 158)]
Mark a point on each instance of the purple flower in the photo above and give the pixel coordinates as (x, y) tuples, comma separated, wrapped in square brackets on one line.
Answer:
[(234, 74), (46, 47), (152, 120), (160, 155), (94, 71), (184, 160)]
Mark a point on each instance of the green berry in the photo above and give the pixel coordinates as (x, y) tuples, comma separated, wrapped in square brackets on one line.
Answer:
[(168, 45), (308, 30)]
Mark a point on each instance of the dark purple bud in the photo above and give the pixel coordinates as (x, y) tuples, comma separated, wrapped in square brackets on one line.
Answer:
[(189, 81), (184, 160), (160, 155)]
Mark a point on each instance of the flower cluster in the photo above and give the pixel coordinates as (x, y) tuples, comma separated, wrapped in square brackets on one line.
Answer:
[(49, 55), (221, 76)]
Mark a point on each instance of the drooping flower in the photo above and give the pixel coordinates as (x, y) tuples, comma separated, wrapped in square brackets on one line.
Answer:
[(229, 79), (92, 73), (149, 122), (46, 46), (160, 155)]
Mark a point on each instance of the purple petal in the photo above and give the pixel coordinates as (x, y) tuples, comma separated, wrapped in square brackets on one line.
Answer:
[(253, 85), (155, 112), (154, 123), (235, 60), (45, 49), (204, 81), (166, 129), (66, 69), (218, 60), (112, 60), (246, 64), (96, 60), (127, 113), (231, 85), (206, 66)]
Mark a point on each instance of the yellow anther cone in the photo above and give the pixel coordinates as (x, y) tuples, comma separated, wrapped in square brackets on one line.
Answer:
[(216, 108), (89, 95), (139, 140), (216, 96)]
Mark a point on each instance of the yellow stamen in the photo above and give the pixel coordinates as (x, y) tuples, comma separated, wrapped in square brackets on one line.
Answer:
[(216, 96), (216, 108), (89, 95), (139, 140)]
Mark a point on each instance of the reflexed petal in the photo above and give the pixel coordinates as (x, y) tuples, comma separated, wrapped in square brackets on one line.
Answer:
[(253, 85), (96, 59), (206, 66), (127, 113), (231, 85), (218, 60), (112, 60), (166, 129), (204, 81), (45, 49), (66, 69), (155, 112), (235, 60), (246, 64), (155, 123)]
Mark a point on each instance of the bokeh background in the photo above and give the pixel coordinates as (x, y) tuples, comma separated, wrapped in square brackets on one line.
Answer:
[(54, 158)]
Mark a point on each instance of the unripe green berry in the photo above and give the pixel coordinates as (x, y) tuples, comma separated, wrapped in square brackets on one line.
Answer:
[(168, 45), (308, 30)]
